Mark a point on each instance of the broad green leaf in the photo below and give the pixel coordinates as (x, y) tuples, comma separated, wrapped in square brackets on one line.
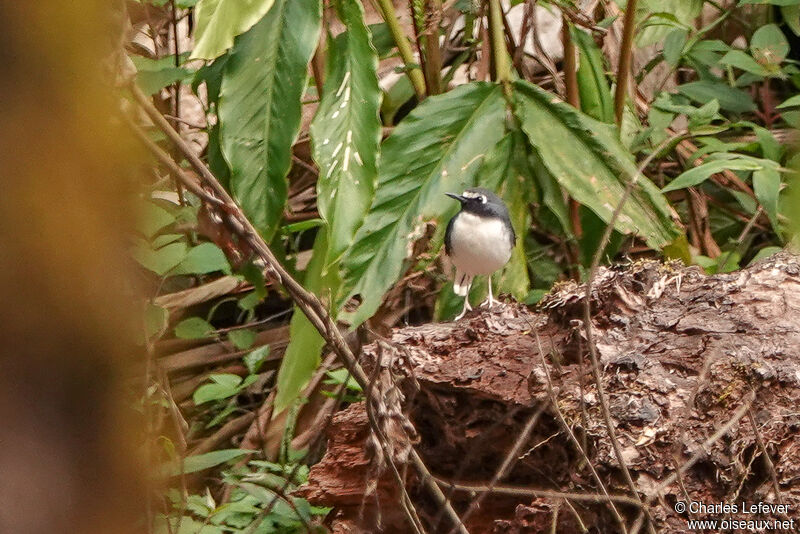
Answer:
[(765, 252), (673, 46), (204, 258), (729, 97), (790, 102), (217, 22), (346, 131), (154, 74), (259, 108), (200, 462), (664, 16), (769, 45), (213, 392), (745, 62), (595, 93), (162, 260), (699, 174), (305, 343), (153, 218), (791, 16), (436, 149), (587, 159), (193, 328), (242, 338), (767, 187), (227, 380)]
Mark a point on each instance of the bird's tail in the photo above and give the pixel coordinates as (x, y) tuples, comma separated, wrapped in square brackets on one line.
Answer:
[(462, 283)]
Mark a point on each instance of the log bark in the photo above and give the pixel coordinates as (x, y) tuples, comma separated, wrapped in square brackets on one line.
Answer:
[(681, 353)]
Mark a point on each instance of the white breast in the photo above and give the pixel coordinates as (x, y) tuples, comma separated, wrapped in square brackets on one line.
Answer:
[(479, 245)]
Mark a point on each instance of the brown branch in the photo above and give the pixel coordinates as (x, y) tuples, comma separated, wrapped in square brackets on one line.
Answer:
[(508, 463), (309, 304)]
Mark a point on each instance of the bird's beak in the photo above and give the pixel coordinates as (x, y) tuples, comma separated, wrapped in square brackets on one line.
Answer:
[(457, 197)]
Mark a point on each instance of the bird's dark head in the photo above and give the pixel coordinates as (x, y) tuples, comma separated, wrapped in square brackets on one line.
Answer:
[(481, 201)]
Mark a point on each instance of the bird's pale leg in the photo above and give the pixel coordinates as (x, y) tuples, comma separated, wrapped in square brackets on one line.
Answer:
[(467, 307), (490, 301)]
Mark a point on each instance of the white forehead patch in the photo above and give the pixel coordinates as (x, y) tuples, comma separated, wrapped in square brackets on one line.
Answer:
[(474, 194)]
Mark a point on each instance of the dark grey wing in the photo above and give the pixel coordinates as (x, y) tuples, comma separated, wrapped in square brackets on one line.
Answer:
[(448, 236)]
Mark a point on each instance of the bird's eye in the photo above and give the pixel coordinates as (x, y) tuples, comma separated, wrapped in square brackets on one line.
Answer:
[(483, 199)]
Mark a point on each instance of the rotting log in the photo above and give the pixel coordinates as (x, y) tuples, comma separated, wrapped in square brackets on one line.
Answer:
[(681, 353)]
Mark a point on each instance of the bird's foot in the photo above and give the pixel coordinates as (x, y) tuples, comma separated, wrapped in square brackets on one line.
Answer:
[(464, 311), (489, 303)]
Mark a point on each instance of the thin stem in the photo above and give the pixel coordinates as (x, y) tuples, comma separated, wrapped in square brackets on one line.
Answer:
[(624, 66), (570, 66), (502, 66), (412, 69), (433, 53)]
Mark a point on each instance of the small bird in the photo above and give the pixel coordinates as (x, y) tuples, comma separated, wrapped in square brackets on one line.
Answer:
[(478, 240)]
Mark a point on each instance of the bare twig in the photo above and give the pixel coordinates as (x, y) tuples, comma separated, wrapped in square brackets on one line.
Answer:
[(587, 318), (563, 421), (548, 494), (508, 462), (699, 454), (309, 304), (767, 460)]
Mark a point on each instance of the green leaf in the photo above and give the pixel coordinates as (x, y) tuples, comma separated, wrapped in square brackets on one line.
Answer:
[(740, 60), (213, 392), (699, 174), (704, 115), (219, 21), (769, 45), (587, 159), (202, 259), (791, 16), (242, 338), (771, 2), (153, 218), (673, 46), (155, 320), (663, 17), (259, 108), (437, 148), (162, 260), (790, 102), (154, 74), (729, 98), (765, 252), (767, 187), (595, 93), (256, 358), (346, 131), (201, 462), (305, 343), (193, 328)]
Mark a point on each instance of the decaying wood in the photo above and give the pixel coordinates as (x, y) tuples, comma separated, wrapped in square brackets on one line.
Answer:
[(683, 355)]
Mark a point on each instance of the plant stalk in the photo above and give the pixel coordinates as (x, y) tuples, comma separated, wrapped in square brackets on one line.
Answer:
[(433, 54), (624, 66), (412, 69), (502, 66)]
